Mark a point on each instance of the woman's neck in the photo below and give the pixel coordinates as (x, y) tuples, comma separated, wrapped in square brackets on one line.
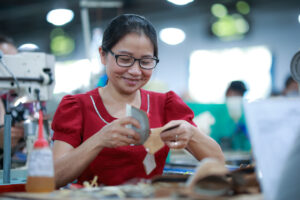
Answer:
[(115, 102)]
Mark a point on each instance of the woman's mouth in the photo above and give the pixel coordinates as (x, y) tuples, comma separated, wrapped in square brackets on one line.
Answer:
[(131, 81)]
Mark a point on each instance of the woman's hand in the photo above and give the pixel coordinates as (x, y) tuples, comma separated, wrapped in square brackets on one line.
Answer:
[(179, 137), (67, 165), (189, 137), (116, 134)]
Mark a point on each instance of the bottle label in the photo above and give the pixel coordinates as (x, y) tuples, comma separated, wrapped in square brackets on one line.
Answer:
[(41, 163)]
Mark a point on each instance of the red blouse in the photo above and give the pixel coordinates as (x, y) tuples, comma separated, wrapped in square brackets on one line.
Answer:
[(80, 116)]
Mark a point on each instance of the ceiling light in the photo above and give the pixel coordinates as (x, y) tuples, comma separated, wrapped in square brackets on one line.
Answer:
[(299, 18), (28, 47), (180, 2), (59, 17), (172, 36)]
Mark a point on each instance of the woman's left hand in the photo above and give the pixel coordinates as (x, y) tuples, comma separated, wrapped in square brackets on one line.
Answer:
[(178, 138)]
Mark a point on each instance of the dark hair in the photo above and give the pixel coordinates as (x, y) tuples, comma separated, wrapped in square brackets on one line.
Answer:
[(128, 23), (238, 86), (5, 39), (289, 81)]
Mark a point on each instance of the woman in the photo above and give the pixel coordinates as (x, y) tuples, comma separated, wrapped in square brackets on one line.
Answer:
[(90, 131)]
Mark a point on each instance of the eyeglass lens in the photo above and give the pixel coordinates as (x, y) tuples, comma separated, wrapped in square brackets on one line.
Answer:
[(127, 61)]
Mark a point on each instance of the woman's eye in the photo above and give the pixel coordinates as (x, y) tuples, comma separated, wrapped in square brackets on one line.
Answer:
[(146, 61), (125, 59)]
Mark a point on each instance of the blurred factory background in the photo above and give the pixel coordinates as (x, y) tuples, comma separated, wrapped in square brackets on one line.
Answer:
[(215, 42)]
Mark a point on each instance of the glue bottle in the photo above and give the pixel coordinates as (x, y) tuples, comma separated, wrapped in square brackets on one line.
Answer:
[(40, 176)]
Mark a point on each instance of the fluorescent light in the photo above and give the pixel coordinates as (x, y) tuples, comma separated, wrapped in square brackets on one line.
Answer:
[(28, 47), (59, 17), (180, 2), (299, 18), (172, 36), (211, 71)]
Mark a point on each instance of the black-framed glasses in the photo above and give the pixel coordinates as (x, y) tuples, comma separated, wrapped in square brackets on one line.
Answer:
[(128, 61)]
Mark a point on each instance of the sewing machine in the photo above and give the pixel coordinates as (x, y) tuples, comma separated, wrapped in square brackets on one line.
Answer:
[(31, 76), (33, 71)]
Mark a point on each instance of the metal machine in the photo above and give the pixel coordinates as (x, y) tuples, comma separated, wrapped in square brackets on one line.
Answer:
[(28, 72), (31, 76)]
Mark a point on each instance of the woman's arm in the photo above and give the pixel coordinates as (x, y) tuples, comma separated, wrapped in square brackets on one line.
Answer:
[(70, 162), (189, 137), (202, 146)]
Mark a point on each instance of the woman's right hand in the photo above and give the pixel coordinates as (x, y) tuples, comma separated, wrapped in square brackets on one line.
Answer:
[(116, 134)]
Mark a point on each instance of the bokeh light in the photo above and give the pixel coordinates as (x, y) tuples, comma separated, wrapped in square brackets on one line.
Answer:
[(61, 44), (60, 17), (243, 7), (218, 10), (172, 36)]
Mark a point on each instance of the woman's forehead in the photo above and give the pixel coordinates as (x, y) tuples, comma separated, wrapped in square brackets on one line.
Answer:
[(133, 41)]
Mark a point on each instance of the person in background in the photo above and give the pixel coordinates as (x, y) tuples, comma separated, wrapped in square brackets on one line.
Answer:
[(91, 137), (7, 47), (236, 88), (239, 139), (291, 87)]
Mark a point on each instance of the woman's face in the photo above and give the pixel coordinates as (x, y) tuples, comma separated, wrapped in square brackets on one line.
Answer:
[(128, 80)]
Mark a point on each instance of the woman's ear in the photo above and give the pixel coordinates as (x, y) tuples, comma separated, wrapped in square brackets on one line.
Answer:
[(102, 56)]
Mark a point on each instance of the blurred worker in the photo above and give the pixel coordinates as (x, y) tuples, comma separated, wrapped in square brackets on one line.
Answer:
[(239, 139), (17, 131), (291, 87)]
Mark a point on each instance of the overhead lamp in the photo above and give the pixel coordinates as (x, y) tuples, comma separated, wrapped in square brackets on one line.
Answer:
[(172, 36), (180, 2), (28, 47), (59, 17), (299, 18)]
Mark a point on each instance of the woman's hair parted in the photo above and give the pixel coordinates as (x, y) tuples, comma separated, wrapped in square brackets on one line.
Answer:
[(128, 23)]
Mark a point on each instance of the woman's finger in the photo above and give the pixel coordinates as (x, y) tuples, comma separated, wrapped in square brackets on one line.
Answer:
[(129, 133), (170, 135), (130, 120), (176, 144)]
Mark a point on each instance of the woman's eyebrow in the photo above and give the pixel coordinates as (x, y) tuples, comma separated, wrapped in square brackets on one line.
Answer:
[(124, 52), (131, 54)]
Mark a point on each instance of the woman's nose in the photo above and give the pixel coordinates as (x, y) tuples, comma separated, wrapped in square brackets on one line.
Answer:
[(135, 68)]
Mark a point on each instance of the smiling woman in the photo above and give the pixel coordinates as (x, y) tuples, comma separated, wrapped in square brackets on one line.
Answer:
[(94, 127)]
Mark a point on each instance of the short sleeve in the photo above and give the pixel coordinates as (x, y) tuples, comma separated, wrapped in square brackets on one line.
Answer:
[(67, 121), (176, 109)]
